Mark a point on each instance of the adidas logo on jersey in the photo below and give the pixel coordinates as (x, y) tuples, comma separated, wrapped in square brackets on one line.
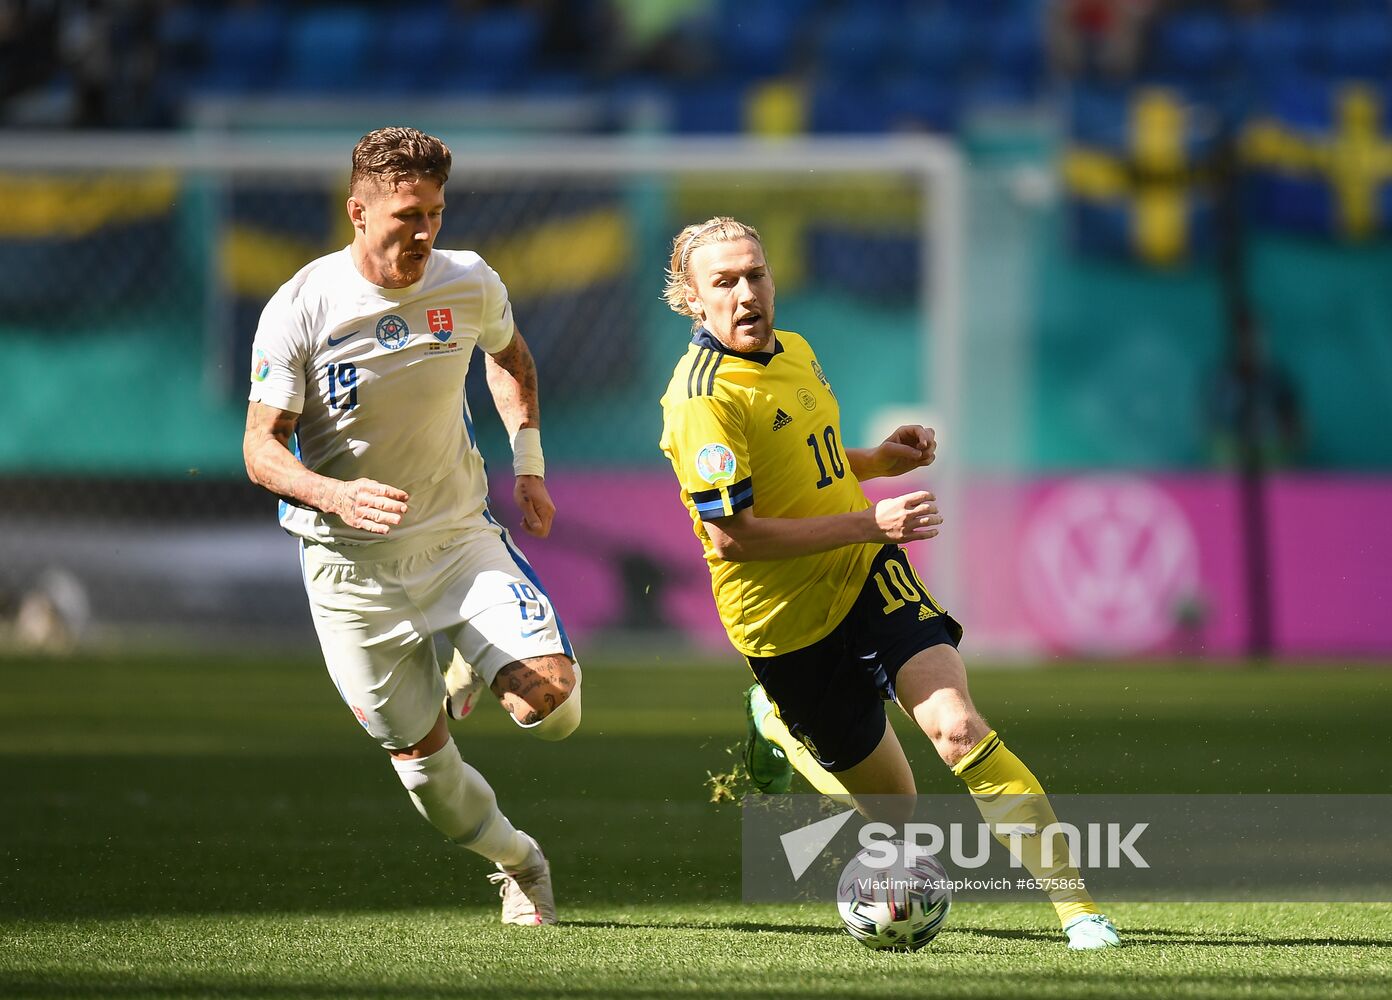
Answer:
[(781, 420), (925, 612)]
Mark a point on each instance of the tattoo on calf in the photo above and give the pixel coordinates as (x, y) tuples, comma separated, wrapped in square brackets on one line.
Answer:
[(523, 680)]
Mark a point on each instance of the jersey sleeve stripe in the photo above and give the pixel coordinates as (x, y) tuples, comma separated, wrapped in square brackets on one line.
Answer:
[(715, 367), (691, 372), (698, 372), (707, 355)]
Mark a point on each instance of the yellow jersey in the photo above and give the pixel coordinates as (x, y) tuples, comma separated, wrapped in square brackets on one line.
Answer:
[(764, 431)]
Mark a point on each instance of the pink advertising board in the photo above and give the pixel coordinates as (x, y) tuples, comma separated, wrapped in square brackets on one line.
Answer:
[(1083, 565)]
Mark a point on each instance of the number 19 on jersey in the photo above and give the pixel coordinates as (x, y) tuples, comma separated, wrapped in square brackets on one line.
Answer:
[(343, 386)]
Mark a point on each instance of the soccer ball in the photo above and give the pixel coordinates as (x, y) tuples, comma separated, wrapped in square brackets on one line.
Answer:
[(898, 907)]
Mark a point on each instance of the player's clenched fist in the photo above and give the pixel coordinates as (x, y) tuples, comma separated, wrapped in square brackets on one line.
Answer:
[(909, 518), (908, 448), (370, 505), (535, 503)]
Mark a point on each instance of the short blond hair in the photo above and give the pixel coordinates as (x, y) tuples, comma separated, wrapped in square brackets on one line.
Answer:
[(719, 229), (388, 156)]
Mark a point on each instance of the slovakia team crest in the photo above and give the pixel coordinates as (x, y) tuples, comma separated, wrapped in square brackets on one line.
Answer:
[(441, 323), (392, 332)]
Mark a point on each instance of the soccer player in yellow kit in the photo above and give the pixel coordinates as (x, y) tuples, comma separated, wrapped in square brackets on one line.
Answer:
[(808, 576)]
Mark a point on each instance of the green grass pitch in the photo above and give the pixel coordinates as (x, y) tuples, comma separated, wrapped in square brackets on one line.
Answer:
[(188, 827)]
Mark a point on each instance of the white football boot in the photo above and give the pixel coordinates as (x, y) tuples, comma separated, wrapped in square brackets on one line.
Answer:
[(463, 685), (1090, 932), (526, 892)]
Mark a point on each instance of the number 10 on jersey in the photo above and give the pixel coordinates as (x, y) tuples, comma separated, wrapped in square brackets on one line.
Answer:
[(833, 454)]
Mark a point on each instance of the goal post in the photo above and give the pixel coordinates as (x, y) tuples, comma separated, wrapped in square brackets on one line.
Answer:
[(865, 236)]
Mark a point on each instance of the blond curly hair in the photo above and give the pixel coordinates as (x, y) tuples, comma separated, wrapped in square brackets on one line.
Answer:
[(719, 229)]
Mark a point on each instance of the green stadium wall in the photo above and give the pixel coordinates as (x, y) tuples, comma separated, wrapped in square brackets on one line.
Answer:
[(1119, 361)]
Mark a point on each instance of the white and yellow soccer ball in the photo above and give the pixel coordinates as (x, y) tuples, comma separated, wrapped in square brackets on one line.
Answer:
[(898, 906)]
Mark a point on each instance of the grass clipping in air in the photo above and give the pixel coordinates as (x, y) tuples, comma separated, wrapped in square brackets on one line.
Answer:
[(732, 784)]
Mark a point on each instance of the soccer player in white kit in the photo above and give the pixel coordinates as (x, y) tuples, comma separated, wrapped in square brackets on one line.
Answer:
[(358, 366)]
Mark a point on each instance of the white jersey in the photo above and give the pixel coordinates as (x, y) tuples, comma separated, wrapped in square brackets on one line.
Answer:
[(377, 376)]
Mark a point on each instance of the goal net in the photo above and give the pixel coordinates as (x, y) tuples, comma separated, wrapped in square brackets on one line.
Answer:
[(146, 261)]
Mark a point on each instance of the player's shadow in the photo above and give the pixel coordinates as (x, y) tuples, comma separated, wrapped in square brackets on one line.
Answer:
[(1239, 939), (1141, 936), (748, 926), (1132, 937)]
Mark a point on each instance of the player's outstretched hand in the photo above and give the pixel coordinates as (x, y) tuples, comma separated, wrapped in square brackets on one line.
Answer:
[(535, 504), (910, 447), (370, 505), (909, 518)]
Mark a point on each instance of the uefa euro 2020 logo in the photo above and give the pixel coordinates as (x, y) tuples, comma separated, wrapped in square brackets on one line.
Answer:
[(715, 463)]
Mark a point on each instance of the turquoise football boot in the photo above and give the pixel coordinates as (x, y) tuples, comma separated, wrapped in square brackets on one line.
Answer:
[(768, 766), (1092, 931)]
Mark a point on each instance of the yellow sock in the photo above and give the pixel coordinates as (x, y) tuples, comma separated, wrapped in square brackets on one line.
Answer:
[(803, 762), (1008, 793)]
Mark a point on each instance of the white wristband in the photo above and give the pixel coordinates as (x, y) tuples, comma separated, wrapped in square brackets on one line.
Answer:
[(527, 459)]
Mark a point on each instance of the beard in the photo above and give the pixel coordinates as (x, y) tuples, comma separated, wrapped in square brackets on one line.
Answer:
[(408, 269)]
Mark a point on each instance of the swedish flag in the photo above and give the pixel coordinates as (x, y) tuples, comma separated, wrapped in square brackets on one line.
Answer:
[(116, 232), (1320, 160), (1133, 177)]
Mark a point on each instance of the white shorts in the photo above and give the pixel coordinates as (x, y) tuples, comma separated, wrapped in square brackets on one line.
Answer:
[(376, 621)]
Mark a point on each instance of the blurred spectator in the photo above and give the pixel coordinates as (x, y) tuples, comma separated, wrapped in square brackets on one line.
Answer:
[(648, 36), (81, 63), (1099, 39), (28, 46), (573, 32), (111, 51)]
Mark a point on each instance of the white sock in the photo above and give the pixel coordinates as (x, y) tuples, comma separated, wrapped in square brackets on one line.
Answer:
[(459, 802)]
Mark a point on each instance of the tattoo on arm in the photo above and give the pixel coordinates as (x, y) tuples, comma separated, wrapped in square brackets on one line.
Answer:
[(270, 464), (512, 380)]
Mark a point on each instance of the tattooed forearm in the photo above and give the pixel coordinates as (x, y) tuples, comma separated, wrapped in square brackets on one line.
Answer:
[(292, 482), (512, 380), (270, 465)]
